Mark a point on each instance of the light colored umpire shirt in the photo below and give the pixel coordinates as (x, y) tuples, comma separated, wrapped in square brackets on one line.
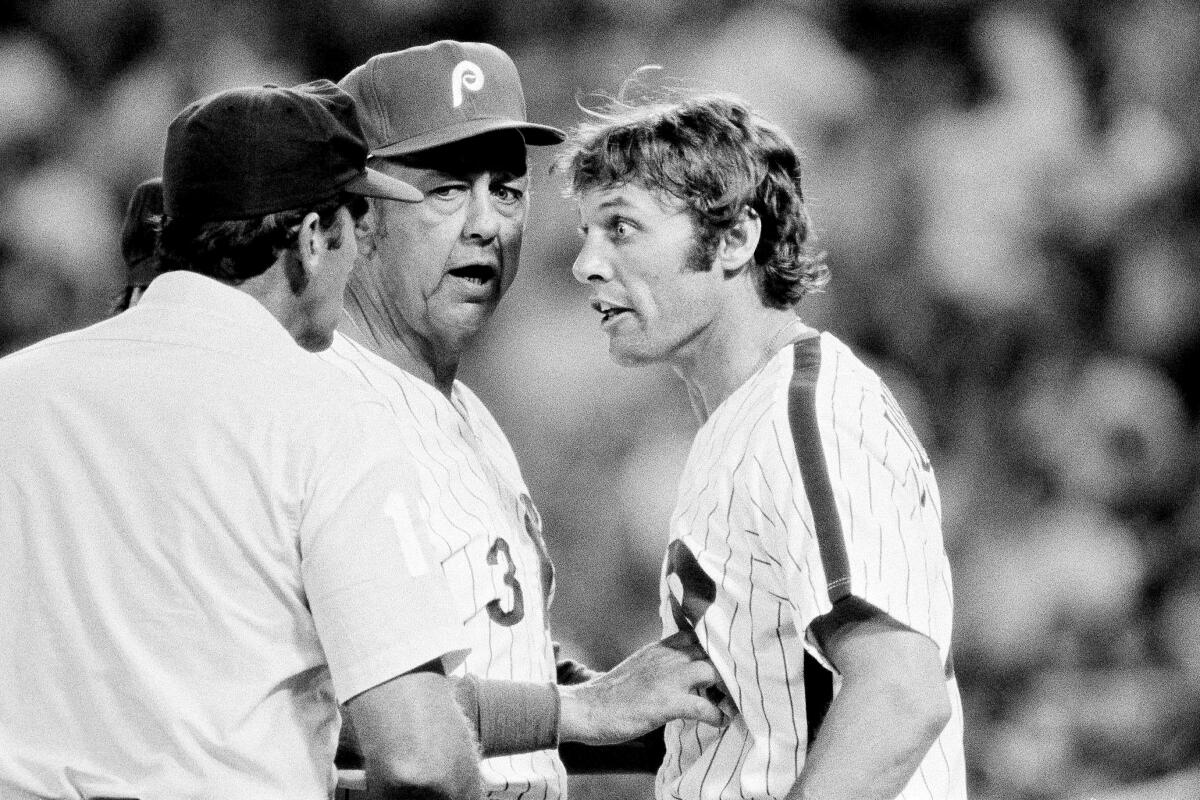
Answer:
[(200, 527)]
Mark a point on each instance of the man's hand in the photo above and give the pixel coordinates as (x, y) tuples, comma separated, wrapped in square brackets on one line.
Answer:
[(660, 682)]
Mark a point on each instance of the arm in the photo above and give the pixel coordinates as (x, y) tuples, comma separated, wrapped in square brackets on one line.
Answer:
[(415, 742), (658, 683), (892, 705), (383, 611), (641, 755)]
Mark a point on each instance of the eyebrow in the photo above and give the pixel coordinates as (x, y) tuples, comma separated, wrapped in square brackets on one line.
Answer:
[(443, 174), (614, 202)]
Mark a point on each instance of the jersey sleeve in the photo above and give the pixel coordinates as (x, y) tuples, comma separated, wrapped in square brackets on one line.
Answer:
[(863, 529), (378, 597)]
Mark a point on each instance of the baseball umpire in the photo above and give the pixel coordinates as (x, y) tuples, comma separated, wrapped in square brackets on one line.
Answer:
[(206, 536)]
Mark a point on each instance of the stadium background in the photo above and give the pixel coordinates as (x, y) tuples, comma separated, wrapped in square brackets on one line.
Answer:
[(1008, 195)]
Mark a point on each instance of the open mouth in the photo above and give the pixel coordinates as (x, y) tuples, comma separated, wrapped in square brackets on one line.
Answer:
[(609, 311), (478, 274)]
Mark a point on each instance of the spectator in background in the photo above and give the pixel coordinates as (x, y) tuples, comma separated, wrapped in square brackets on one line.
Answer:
[(205, 533), (139, 241)]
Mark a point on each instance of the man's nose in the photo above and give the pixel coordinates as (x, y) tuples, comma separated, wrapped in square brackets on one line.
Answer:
[(483, 218), (590, 265)]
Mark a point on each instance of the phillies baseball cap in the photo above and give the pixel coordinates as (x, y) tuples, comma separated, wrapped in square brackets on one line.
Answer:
[(247, 152), (427, 96)]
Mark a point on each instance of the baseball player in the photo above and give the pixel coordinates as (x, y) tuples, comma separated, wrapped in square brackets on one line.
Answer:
[(805, 547), (207, 536), (450, 119), (139, 241)]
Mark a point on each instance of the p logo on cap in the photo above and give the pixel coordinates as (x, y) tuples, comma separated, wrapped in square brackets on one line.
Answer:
[(401, 97), (466, 75)]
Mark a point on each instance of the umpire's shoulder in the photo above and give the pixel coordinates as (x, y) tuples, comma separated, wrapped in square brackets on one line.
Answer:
[(328, 405)]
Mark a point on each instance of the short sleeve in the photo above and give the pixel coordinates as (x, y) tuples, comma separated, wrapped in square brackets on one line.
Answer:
[(868, 518), (378, 597)]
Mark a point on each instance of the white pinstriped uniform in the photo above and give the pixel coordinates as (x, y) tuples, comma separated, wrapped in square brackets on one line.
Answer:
[(488, 535), (806, 485)]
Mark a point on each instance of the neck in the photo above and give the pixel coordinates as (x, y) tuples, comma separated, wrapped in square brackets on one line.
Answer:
[(369, 322), (728, 355), (273, 291)]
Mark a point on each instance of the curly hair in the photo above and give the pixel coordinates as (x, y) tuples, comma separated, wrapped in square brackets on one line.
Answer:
[(234, 251), (719, 157)]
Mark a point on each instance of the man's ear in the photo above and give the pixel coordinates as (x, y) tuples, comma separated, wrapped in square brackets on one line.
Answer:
[(737, 244), (311, 240), (368, 227), (310, 247)]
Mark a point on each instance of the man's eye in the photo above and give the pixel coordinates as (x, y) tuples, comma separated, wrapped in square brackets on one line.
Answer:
[(507, 194), (447, 191), (621, 229)]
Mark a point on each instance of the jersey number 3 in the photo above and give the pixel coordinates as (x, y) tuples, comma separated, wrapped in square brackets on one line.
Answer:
[(496, 612)]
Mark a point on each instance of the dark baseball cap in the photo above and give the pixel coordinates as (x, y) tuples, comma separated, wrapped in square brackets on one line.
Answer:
[(247, 152), (427, 96)]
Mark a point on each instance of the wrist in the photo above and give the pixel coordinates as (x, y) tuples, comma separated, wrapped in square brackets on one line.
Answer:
[(511, 716), (574, 724)]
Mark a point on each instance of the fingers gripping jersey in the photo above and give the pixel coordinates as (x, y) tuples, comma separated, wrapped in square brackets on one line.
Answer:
[(488, 537), (805, 486)]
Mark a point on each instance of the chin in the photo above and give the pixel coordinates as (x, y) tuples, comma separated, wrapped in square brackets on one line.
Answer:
[(631, 357), (467, 323), (315, 341)]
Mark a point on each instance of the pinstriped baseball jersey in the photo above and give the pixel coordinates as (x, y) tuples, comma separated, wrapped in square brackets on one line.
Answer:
[(488, 535), (805, 487)]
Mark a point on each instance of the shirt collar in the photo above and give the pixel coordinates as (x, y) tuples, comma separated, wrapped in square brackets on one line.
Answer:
[(201, 293)]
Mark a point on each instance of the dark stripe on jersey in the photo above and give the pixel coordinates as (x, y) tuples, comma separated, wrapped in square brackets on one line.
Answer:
[(806, 438), (850, 611)]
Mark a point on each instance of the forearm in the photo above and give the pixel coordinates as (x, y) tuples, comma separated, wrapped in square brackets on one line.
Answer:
[(871, 742), (660, 682), (414, 741)]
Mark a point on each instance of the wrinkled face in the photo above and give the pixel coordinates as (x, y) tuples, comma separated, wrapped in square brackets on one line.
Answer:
[(641, 256), (442, 265)]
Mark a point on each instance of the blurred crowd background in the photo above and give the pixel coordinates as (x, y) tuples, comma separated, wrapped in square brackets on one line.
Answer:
[(1007, 193)]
